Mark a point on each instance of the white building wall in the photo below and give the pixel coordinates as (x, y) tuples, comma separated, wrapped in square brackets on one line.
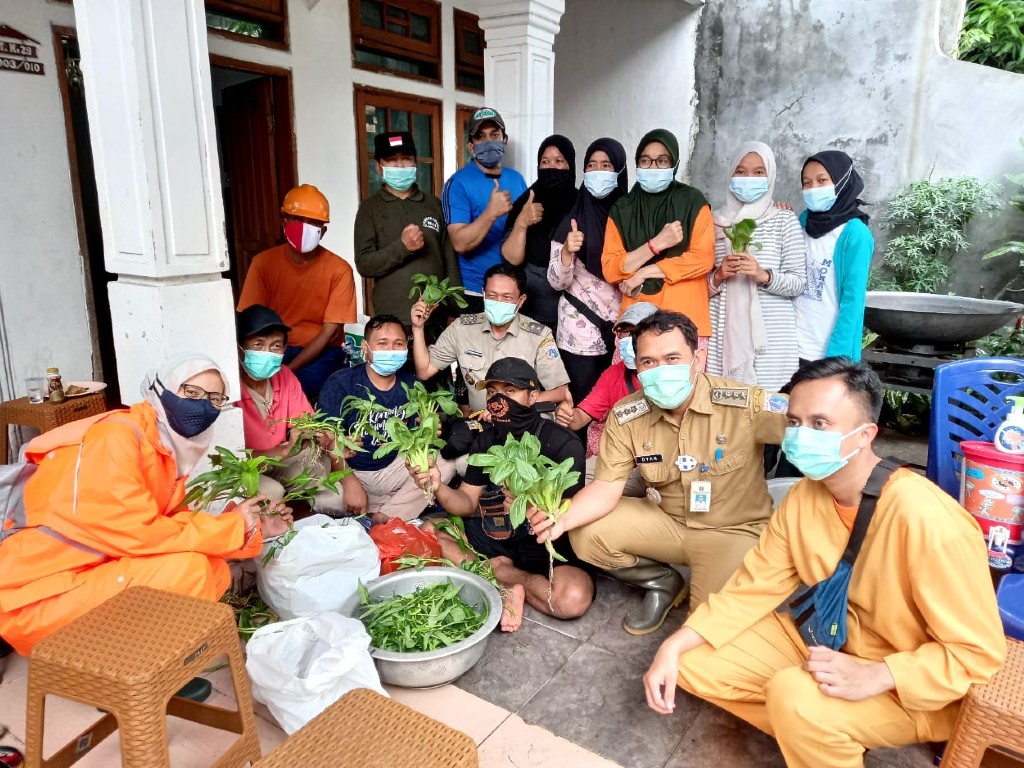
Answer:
[(42, 273), (624, 68)]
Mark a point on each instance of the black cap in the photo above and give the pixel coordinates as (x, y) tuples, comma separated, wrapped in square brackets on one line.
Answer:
[(258, 319), (511, 370), (481, 116), (396, 142)]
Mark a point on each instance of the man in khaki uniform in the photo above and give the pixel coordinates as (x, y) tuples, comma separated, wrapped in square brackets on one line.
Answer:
[(475, 341), (698, 441)]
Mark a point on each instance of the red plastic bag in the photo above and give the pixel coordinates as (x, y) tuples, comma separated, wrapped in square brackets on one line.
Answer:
[(397, 538)]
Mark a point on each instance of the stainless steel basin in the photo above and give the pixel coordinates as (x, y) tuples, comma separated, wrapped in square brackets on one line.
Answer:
[(911, 319)]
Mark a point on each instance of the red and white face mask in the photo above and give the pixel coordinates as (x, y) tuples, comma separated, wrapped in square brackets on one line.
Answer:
[(302, 236)]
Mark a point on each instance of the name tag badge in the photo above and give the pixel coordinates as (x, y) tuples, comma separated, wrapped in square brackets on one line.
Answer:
[(654, 458), (700, 496)]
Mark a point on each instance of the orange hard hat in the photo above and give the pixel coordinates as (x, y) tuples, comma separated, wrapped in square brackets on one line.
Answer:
[(308, 202)]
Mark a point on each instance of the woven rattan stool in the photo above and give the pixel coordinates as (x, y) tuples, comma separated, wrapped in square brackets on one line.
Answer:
[(992, 715), (127, 657), (46, 415), (363, 729)]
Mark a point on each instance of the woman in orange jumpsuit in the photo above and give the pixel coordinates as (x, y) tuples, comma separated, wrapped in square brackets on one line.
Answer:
[(103, 509)]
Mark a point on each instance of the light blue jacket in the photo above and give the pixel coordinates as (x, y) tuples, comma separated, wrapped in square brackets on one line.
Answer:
[(852, 259)]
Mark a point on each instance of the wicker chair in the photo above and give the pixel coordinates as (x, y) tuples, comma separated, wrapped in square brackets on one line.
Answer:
[(992, 715), (365, 730), (127, 657)]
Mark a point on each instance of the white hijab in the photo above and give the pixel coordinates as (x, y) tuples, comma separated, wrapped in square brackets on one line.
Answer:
[(761, 209), (172, 374)]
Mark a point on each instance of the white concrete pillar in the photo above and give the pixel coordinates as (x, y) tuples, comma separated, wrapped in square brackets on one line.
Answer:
[(147, 82), (519, 72)]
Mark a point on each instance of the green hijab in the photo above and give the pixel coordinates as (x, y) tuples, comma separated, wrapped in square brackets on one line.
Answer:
[(641, 215)]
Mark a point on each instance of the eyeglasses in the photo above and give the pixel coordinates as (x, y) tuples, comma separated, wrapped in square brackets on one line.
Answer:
[(662, 162), (192, 392)]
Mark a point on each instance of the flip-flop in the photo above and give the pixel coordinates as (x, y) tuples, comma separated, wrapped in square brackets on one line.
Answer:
[(11, 757), (196, 689)]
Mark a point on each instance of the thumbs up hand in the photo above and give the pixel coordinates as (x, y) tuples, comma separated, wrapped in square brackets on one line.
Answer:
[(500, 202), (532, 212), (574, 240)]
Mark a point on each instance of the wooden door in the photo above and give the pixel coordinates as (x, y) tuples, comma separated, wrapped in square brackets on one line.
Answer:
[(247, 128)]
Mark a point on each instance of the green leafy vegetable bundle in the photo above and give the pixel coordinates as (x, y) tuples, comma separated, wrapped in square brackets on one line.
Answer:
[(530, 477), (310, 425), (741, 235), (364, 408), (431, 618), (418, 445), (251, 613), (435, 292)]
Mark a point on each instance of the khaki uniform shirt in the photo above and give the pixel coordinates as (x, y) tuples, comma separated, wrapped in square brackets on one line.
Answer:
[(723, 414), (469, 341)]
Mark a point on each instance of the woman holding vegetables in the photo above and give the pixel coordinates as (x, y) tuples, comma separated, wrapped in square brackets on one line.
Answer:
[(103, 509), (757, 275), (271, 398)]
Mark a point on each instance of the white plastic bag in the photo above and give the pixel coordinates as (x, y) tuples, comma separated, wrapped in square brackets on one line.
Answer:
[(319, 569), (298, 668)]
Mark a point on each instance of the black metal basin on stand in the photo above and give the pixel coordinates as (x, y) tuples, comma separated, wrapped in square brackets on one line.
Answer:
[(909, 320)]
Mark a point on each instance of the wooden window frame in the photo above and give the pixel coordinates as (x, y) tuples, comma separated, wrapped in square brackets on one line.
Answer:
[(463, 114), (241, 10), (467, 62), (381, 41)]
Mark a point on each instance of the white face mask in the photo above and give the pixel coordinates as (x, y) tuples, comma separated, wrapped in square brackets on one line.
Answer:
[(302, 235)]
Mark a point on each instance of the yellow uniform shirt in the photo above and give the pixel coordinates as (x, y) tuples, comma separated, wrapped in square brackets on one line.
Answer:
[(920, 599), (720, 440)]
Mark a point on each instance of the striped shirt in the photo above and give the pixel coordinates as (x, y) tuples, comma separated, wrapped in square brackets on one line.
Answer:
[(782, 250)]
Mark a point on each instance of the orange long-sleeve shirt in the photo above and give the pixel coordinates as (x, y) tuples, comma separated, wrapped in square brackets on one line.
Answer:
[(686, 282)]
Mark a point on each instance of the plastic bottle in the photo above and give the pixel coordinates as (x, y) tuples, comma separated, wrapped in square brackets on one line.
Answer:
[(54, 385), (1009, 437)]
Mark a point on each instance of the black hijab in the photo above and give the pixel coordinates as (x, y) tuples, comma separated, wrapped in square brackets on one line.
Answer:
[(591, 213), (557, 198), (848, 185)]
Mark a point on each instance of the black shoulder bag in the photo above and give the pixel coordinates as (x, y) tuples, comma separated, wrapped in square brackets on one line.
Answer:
[(819, 611)]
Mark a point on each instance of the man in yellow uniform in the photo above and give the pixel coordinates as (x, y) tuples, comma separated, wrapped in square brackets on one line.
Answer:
[(922, 622), (698, 441)]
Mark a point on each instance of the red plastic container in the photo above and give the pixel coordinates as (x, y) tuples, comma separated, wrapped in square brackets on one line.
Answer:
[(992, 488)]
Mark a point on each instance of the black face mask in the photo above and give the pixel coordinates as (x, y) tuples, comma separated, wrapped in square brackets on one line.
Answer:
[(509, 416), (553, 178), (188, 417)]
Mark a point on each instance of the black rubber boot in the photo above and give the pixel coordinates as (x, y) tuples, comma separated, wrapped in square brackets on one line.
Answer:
[(666, 588), (196, 689)]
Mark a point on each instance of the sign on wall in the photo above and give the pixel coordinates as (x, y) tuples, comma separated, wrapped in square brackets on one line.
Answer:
[(19, 52)]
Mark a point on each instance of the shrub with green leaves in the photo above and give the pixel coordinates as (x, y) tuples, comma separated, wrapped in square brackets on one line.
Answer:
[(929, 219), (993, 34), (1017, 201)]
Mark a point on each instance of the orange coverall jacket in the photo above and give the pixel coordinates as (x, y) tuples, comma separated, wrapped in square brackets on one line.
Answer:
[(123, 529)]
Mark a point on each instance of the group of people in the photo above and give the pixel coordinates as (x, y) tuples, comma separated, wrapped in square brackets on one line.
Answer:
[(620, 327)]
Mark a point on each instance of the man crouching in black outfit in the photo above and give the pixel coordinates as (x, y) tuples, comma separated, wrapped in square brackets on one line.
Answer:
[(520, 563)]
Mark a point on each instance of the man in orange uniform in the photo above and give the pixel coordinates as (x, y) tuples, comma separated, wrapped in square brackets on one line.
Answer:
[(922, 623), (311, 288), (102, 511)]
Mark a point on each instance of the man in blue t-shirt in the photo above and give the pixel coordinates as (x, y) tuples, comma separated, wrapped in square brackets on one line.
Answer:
[(385, 482), (476, 200)]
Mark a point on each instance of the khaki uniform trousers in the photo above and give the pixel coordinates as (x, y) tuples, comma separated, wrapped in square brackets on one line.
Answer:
[(273, 487), (758, 677), (640, 528), (392, 490)]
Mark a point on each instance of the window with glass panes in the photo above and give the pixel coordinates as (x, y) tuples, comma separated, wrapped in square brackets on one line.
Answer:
[(400, 36), (469, 52), (383, 111)]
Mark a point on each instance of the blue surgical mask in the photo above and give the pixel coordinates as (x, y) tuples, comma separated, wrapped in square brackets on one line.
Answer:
[(819, 199), (489, 153), (386, 361), (188, 417), (398, 178), (261, 365), (655, 180), (600, 183), (748, 189), (667, 386), (627, 353), (815, 452), (499, 312)]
